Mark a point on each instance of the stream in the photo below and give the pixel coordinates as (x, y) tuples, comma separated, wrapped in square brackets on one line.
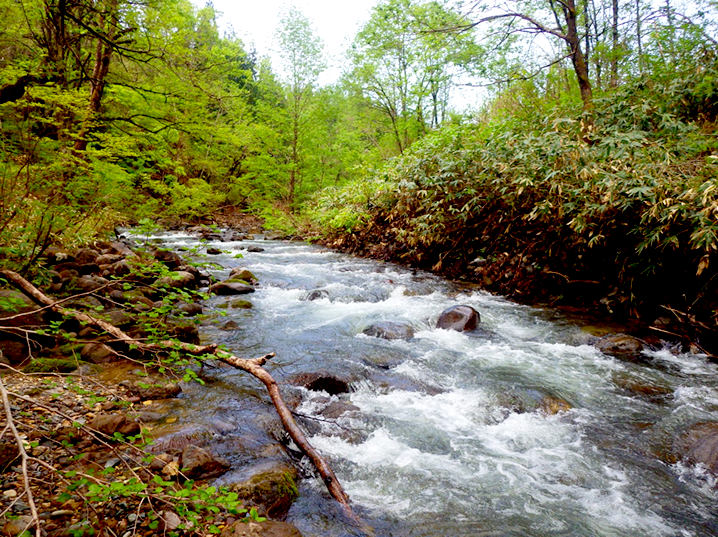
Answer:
[(442, 435)]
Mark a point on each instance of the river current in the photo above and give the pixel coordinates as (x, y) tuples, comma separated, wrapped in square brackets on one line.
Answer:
[(444, 436)]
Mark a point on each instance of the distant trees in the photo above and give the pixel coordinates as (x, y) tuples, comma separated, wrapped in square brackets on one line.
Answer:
[(406, 68)]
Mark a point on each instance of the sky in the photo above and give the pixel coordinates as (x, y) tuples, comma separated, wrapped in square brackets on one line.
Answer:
[(336, 22)]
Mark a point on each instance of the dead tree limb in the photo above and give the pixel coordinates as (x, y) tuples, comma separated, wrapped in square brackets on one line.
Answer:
[(252, 366), (23, 457)]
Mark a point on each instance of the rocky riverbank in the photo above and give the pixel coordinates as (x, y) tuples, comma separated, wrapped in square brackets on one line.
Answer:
[(105, 450)]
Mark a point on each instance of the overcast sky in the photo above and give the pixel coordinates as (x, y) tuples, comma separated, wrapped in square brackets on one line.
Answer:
[(336, 22)]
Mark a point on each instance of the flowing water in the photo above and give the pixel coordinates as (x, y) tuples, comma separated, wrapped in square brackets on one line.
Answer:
[(444, 436)]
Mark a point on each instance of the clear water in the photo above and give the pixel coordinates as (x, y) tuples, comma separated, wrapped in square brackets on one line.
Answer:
[(447, 439)]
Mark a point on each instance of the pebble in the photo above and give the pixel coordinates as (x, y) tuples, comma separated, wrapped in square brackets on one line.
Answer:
[(10, 493)]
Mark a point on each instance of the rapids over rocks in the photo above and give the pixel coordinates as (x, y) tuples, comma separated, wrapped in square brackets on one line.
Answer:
[(443, 434)]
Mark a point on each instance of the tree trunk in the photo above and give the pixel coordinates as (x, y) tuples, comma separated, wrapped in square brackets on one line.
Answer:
[(103, 54), (577, 57), (614, 48)]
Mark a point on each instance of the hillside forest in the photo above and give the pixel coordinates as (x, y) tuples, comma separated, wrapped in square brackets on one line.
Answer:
[(582, 171)]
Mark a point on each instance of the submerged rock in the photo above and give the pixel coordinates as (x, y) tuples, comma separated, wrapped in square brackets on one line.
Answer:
[(551, 405), (390, 330), (315, 294), (268, 528), (699, 445), (461, 318), (321, 382), (620, 345)]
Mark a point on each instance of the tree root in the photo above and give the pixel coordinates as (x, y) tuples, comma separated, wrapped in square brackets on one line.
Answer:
[(252, 366)]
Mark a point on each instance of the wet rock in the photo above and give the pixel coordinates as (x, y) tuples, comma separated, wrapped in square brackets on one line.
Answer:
[(390, 330), (197, 463), (241, 304), (241, 273), (230, 288), (336, 408), (186, 331), (321, 382), (168, 257), (229, 325), (461, 318), (699, 445), (315, 294), (146, 390), (174, 438), (551, 405), (641, 388), (213, 251), (114, 423), (190, 309), (255, 249), (266, 528), (271, 492), (179, 280), (97, 353), (620, 345)]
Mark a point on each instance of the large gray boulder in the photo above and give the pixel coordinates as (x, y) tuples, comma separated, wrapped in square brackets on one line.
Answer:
[(461, 318)]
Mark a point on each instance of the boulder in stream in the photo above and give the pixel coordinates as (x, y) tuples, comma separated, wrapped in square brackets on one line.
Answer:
[(315, 294), (198, 463), (321, 382), (699, 445), (461, 318), (228, 287), (620, 345), (390, 330)]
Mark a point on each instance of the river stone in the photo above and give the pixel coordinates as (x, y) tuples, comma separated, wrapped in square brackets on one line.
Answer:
[(230, 288), (271, 492), (198, 463), (390, 330), (85, 256), (315, 294), (699, 445), (20, 526), (114, 423), (551, 405), (241, 273), (321, 382), (160, 390), (241, 304), (255, 249), (461, 318), (619, 345), (179, 280), (168, 257), (97, 353), (190, 309), (268, 528)]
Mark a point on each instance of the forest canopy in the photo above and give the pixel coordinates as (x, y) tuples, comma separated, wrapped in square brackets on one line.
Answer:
[(589, 140)]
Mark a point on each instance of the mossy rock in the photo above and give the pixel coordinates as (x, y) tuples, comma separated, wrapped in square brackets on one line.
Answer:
[(272, 492), (236, 280), (52, 365), (242, 304), (223, 305)]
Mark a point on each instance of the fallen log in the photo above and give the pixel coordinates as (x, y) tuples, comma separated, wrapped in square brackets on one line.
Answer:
[(252, 366)]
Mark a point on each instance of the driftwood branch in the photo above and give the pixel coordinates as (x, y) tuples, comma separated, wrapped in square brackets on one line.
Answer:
[(23, 457), (252, 366)]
